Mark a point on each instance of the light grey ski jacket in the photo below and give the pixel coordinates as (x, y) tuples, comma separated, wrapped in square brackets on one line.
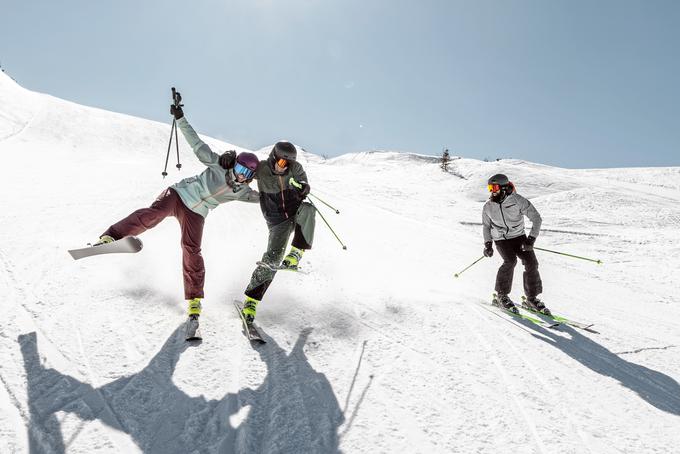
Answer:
[(204, 192), (505, 220)]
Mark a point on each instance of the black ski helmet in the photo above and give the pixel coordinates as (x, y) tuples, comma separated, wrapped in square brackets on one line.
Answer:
[(284, 150), (499, 179)]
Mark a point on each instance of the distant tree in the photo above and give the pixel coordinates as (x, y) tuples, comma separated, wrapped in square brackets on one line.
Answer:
[(446, 158)]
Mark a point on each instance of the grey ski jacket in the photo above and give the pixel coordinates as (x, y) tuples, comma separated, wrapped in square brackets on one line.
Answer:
[(505, 220), (205, 191)]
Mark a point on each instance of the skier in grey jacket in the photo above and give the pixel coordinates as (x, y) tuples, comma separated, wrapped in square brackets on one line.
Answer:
[(225, 179), (503, 223)]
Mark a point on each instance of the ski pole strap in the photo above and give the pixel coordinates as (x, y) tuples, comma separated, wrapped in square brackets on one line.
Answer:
[(598, 261), (329, 206), (329, 226), (468, 267)]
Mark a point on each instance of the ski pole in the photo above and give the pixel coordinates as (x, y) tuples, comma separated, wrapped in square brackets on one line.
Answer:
[(469, 266), (173, 128), (329, 226), (598, 261), (334, 209), (177, 99)]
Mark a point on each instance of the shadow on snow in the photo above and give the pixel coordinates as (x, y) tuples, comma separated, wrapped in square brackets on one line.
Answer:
[(656, 388), (293, 410)]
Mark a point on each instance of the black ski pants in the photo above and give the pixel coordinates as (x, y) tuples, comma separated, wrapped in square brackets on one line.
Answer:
[(510, 250)]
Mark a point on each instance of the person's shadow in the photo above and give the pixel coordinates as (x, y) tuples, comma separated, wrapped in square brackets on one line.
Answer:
[(658, 389), (294, 410)]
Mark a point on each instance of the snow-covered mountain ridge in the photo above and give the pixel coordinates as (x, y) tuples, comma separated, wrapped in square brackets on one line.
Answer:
[(378, 349)]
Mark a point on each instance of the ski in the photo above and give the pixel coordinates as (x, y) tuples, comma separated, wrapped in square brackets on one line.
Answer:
[(129, 244), (193, 330), (281, 267), (560, 319), (251, 330), (519, 315)]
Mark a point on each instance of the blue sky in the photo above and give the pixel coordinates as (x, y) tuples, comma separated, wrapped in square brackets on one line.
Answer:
[(568, 83)]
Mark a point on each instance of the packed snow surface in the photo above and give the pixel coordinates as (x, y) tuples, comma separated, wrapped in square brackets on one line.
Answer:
[(379, 349)]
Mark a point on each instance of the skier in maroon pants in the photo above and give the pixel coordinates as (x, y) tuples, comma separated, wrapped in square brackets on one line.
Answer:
[(225, 179)]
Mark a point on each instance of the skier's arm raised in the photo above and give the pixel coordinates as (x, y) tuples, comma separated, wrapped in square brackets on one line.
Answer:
[(200, 148)]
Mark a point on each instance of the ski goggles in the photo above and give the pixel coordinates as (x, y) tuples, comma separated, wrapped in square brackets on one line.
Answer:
[(494, 187), (283, 163), (240, 169)]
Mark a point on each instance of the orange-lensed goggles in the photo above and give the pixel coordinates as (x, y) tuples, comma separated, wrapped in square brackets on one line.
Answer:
[(494, 187), (282, 163)]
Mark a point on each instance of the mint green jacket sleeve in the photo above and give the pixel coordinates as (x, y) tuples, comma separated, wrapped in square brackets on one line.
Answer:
[(200, 148)]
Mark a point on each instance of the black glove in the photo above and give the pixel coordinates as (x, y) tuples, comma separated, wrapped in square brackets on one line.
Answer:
[(304, 191), (228, 159), (528, 244), (488, 250), (176, 111)]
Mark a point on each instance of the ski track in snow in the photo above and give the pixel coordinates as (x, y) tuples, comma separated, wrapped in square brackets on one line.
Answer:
[(377, 350)]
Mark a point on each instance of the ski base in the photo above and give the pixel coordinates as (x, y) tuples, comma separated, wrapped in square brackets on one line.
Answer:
[(250, 330), (193, 329), (129, 244)]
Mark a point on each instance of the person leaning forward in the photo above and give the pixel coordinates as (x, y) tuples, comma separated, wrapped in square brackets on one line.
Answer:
[(283, 186)]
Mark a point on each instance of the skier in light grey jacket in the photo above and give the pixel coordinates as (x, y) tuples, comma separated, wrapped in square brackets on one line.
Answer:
[(225, 179), (503, 223)]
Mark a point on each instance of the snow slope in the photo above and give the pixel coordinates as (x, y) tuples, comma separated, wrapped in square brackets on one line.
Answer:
[(378, 350)]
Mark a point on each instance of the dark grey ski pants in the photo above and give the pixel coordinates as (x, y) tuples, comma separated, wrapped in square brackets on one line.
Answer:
[(510, 250), (303, 225)]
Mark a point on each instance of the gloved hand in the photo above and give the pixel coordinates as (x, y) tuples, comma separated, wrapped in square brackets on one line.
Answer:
[(488, 249), (228, 159), (304, 192), (528, 244), (301, 186), (176, 111)]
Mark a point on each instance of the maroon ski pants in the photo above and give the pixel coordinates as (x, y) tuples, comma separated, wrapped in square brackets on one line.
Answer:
[(191, 224)]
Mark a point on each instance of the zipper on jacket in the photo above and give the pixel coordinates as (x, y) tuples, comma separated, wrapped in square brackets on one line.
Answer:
[(507, 229), (283, 200), (204, 199)]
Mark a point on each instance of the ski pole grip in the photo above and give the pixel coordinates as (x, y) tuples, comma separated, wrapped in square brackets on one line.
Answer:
[(176, 97)]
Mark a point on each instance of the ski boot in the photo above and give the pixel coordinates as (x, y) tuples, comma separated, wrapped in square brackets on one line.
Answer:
[(249, 309), (504, 302), (194, 307), (104, 239), (293, 258), (535, 305)]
